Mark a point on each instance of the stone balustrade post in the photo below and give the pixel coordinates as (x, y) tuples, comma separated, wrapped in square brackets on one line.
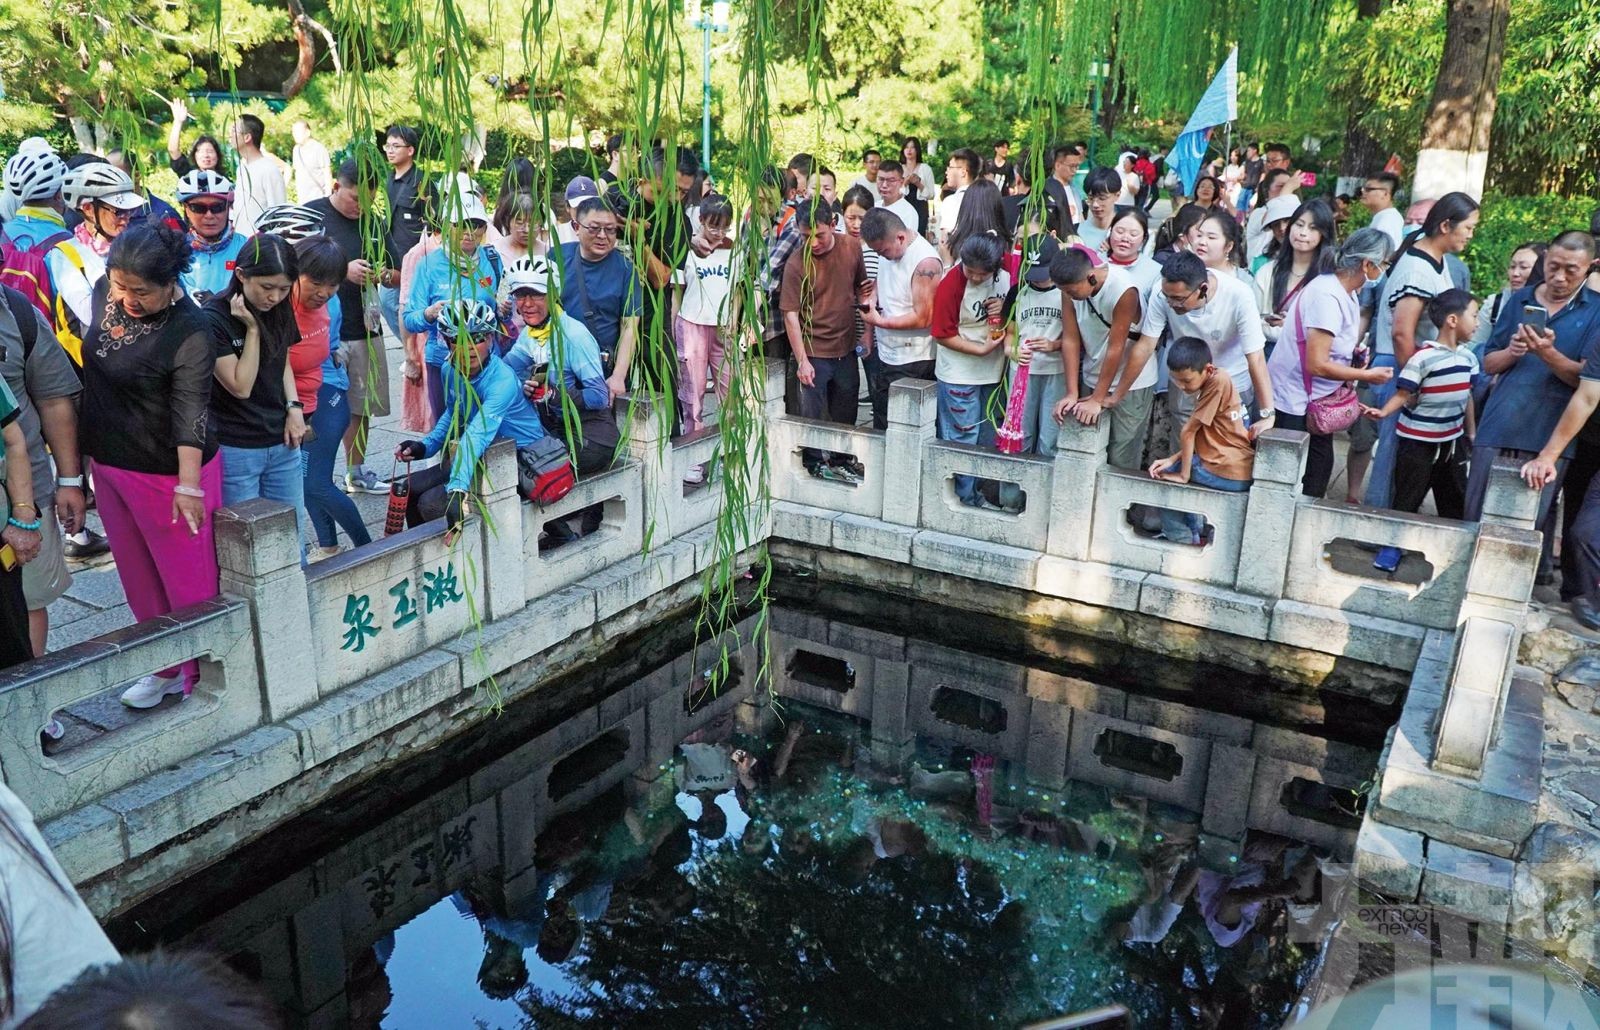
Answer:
[(258, 552), (505, 586), (1269, 514), (913, 420), (1509, 501), (1080, 455), (649, 442), (777, 382)]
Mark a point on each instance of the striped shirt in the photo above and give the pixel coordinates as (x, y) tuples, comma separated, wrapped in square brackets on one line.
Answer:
[(1440, 380)]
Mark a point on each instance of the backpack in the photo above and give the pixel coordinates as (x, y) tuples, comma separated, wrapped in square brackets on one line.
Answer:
[(24, 270), (22, 310), (544, 471)]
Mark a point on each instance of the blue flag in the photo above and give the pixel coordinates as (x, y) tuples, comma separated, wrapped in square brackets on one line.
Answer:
[(1218, 105)]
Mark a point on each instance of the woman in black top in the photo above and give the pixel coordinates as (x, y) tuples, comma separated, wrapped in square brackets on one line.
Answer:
[(147, 366), (257, 411)]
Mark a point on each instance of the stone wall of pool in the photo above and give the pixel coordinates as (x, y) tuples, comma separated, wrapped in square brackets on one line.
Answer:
[(318, 679)]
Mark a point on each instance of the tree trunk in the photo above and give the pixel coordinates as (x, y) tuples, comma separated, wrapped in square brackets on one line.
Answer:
[(1363, 153), (1455, 134), (306, 62)]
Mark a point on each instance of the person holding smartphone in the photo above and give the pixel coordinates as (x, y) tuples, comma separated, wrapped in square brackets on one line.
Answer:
[(1538, 350)]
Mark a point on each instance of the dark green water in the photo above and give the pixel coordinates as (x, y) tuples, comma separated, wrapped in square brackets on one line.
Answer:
[(621, 850)]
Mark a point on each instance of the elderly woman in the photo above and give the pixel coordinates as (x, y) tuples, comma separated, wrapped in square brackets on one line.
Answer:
[(1315, 356)]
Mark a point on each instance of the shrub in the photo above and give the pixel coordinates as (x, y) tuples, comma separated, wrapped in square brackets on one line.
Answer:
[(1508, 221)]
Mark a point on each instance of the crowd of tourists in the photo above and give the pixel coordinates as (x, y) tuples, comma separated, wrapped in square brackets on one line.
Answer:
[(163, 360)]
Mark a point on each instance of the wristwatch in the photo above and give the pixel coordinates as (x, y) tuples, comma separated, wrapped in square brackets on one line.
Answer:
[(65, 481), (1266, 413), (294, 405)]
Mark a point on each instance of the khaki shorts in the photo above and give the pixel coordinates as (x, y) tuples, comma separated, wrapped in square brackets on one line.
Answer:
[(46, 577), (369, 377)]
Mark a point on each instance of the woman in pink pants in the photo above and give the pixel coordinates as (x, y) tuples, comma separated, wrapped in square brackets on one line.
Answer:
[(147, 365)]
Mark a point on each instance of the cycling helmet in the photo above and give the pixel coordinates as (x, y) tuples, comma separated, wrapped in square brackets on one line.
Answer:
[(203, 182), (535, 273), (100, 181), (291, 222), (34, 174), (469, 317)]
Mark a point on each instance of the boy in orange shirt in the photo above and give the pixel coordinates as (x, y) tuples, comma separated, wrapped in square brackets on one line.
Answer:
[(1214, 448)]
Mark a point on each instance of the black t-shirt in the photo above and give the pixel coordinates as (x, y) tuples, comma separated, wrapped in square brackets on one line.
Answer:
[(668, 239), (405, 211), (346, 232), (257, 420), (1001, 177), (1252, 173), (146, 392)]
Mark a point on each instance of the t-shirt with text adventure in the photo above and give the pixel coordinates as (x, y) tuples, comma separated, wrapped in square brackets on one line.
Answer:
[(1038, 315)]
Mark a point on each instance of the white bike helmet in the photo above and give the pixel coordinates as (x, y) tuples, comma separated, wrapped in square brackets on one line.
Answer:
[(35, 174), (535, 273), (291, 222), (106, 183), (204, 182), (470, 317)]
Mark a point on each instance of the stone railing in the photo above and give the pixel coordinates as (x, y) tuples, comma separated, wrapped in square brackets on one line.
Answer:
[(301, 668)]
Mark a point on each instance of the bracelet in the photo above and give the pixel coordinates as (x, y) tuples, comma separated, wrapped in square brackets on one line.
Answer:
[(31, 527), (65, 481), (26, 504), (188, 491)]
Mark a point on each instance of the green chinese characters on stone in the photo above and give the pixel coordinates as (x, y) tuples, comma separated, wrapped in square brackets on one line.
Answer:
[(440, 587), (358, 623)]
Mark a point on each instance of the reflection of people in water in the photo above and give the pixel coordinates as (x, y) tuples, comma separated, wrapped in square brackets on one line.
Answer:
[(506, 934), (882, 839), (1232, 905)]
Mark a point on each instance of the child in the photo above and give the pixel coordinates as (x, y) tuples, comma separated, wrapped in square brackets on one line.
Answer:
[(1433, 395), (1214, 446), (704, 284)]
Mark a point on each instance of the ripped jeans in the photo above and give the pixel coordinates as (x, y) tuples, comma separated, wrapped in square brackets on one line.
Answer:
[(963, 418)]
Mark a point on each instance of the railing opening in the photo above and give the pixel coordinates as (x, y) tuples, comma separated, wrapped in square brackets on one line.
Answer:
[(964, 708), (1379, 562), (1000, 496), (555, 534), (818, 670), (832, 466), (699, 692), (1185, 528), (588, 763), (1334, 806), (1130, 753)]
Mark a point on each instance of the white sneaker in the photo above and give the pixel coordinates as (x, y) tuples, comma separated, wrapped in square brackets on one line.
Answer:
[(696, 474), (148, 691)]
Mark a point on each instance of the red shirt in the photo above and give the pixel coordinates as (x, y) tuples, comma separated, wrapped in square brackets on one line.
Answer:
[(307, 356)]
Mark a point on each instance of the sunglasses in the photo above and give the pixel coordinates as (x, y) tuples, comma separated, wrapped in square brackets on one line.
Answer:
[(206, 209)]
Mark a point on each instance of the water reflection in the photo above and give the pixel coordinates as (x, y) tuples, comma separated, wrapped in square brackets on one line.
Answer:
[(905, 835)]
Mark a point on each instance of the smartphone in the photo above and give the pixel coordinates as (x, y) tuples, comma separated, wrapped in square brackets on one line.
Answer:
[(1535, 317), (1308, 179), (1388, 559), (8, 558)]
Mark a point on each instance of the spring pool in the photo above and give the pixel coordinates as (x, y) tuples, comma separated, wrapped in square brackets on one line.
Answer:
[(865, 827)]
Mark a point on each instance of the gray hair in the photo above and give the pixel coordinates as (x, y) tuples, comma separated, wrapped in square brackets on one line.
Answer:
[(1367, 244)]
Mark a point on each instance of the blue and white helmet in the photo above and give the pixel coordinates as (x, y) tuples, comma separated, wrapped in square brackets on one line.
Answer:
[(204, 182), (467, 318)]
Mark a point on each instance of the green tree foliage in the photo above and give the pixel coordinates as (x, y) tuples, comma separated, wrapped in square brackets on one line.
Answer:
[(1548, 116)]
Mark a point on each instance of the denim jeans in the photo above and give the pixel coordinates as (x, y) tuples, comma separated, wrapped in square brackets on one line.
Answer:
[(270, 472), (326, 503), (1184, 527), (964, 418), (1380, 477)]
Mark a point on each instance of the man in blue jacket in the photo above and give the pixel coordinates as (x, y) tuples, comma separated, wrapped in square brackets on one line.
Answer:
[(557, 360), (483, 403)]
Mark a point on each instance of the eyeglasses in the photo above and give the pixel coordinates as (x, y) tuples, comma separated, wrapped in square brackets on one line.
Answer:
[(602, 231), (206, 209)]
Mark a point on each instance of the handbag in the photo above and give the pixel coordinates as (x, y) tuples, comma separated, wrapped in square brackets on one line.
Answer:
[(544, 471), (1337, 411)]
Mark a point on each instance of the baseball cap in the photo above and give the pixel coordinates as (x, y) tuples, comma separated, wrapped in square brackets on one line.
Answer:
[(580, 189), (1038, 273)]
